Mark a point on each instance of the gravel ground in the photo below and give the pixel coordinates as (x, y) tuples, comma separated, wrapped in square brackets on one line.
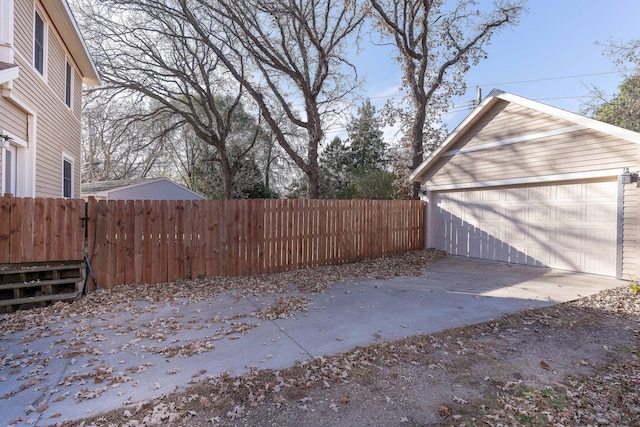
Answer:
[(576, 363)]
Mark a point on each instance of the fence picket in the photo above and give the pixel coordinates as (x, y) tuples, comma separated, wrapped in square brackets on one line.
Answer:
[(153, 242)]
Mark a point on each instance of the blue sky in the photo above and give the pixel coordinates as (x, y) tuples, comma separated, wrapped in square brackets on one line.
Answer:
[(555, 38)]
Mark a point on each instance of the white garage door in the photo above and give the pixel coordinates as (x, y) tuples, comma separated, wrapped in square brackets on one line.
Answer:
[(566, 226)]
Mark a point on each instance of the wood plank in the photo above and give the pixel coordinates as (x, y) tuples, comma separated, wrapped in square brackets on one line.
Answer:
[(170, 262), (195, 240), (322, 232), (244, 258), (128, 241), (225, 219), (180, 241), (15, 231), (119, 224), (59, 222), (99, 248), (48, 233), (256, 242), (5, 229), (110, 243), (27, 230), (215, 244), (270, 235), (163, 241), (291, 213), (187, 247), (154, 241), (147, 260), (92, 206), (138, 240), (80, 237)]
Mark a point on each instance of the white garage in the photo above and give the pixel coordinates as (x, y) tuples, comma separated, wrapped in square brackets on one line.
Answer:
[(523, 182)]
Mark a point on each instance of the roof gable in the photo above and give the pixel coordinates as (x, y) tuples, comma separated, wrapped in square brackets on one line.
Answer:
[(497, 96), (65, 24)]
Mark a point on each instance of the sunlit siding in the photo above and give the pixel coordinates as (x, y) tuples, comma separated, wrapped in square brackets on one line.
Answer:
[(570, 151), (23, 27), (630, 233), (12, 119), (577, 151), (58, 127)]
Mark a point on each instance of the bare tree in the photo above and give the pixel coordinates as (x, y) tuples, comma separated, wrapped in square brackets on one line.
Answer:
[(297, 50), (144, 47), (437, 42), (118, 142)]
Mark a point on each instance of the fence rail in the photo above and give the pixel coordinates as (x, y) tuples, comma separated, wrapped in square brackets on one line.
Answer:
[(160, 241)]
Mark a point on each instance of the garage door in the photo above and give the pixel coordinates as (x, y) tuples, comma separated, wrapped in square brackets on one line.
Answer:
[(566, 226)]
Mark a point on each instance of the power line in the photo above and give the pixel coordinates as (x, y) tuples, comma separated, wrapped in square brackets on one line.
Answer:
[(542, 79), (548, 78)]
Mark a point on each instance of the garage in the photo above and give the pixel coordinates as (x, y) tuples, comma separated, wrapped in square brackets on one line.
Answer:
[(569, 226), (527, 183)]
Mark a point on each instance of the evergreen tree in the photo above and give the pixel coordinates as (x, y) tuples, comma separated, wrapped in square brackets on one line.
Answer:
[(368, 149), (334, 169)]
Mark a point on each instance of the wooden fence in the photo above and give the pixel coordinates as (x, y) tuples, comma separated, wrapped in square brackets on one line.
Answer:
[(160, 241)]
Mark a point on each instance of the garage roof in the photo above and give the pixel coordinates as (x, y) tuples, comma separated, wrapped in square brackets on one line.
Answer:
[(497, 95)]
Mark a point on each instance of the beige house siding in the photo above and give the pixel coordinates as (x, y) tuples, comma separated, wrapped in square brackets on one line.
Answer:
[(576, 151), (630, 230), (521, 143), (13, 119), (58, 127)]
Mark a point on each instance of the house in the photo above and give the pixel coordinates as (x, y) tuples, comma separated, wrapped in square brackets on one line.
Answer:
[(523, 182), (43, 64), (139, 189)]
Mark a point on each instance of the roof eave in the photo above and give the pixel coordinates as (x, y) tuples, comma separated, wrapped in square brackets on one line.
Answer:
[(469, 121), (64, 22), (497, 95)]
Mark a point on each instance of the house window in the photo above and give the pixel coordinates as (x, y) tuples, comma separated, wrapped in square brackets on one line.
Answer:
[(67, 178), (68, 85), (10, 170), (39, 44)]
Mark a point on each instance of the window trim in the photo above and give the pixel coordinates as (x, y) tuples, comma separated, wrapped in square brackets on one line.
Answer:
[(68, 85), (45, 44), (68, 159)]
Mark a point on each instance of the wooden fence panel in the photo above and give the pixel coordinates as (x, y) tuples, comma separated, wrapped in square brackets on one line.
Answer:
[(154, 242)]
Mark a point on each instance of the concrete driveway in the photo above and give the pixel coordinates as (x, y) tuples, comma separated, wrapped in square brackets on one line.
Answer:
[(78, 367)]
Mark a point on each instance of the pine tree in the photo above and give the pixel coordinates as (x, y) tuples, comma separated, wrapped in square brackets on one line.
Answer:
[(368, 149)]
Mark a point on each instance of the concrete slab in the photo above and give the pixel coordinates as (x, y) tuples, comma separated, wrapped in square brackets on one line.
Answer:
[(77, 367)]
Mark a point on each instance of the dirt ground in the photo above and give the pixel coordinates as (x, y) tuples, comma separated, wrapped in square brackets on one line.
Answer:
[(576, 363)]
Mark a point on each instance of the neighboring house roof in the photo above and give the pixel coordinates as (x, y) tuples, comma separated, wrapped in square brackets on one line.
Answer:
[(65, 23), (497, 95), (139, 189)]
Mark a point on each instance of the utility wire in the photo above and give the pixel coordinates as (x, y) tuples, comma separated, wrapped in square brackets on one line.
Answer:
[(548, 78)]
